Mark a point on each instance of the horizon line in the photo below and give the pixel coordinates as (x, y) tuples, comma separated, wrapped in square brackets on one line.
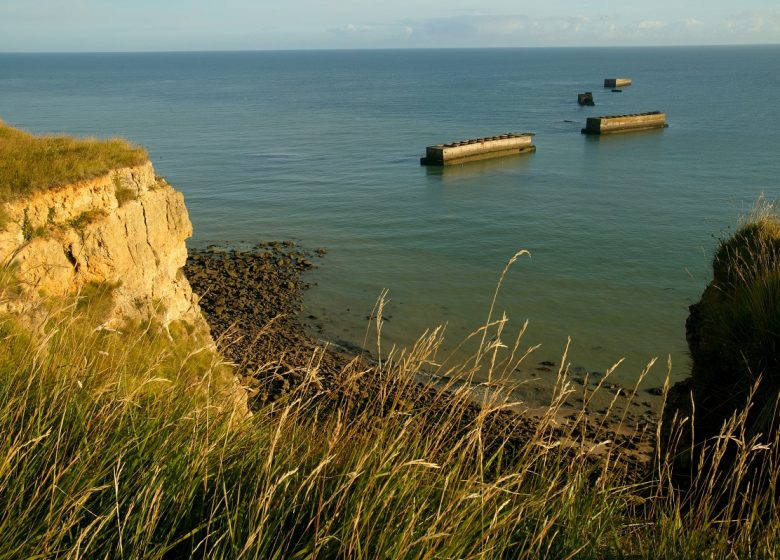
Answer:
[(374, 49)]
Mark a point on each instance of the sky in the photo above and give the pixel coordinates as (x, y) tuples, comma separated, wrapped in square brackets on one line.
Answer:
[(186, 25)]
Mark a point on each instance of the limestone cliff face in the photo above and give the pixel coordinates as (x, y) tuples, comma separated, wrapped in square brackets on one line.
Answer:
[(126, 228), (125, 231)]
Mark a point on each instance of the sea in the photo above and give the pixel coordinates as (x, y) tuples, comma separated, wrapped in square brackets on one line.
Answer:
[(323, 147)]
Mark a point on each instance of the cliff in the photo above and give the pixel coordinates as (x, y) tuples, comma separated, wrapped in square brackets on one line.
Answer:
[(122, 235), (126, 229)]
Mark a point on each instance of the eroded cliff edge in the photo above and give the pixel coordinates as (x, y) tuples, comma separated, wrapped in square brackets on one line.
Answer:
[(126, 228), (123, 232)]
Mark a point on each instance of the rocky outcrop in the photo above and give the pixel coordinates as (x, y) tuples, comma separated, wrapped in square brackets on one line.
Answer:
[(126, 229), (124, 233), (726, 415), (733, 333)]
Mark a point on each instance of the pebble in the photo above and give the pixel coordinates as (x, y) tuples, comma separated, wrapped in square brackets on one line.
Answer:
[(266, 284)]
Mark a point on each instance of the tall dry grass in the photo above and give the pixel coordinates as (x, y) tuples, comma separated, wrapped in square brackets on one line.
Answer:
[(116, 446)]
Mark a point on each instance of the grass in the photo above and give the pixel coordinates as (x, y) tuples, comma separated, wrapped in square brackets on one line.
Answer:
[(115, 446), (32, 163), (736, 342)]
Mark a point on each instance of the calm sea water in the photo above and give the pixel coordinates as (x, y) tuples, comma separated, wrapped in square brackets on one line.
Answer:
[(323, 148)]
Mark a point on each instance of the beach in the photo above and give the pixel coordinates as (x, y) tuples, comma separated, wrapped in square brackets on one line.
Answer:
[(252, 300)]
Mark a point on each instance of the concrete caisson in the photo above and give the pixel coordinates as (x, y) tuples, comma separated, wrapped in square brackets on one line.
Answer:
[(624, 123), (478, 149), (617, 82)]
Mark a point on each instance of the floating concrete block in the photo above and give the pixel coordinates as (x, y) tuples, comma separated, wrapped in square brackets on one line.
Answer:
[(478, 148), (624, 123), (617, 82)]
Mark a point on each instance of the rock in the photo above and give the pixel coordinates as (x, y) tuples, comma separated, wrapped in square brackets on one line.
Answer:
[(89, 237), (124, 231), (731, 338)]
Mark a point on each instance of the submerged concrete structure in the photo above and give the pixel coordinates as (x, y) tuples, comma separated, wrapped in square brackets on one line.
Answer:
[(613, 124), (585, 98), (478, 149), (617, 82)]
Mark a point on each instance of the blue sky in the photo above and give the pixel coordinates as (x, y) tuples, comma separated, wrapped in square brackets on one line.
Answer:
[(153, 25)]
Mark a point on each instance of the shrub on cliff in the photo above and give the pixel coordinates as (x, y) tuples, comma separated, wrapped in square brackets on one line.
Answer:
[(734, 331), (29, 163)]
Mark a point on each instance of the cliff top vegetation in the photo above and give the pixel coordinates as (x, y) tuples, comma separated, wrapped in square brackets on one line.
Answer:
[(31, 163)]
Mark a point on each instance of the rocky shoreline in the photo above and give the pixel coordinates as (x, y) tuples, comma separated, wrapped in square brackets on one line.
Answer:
[(252, 300)]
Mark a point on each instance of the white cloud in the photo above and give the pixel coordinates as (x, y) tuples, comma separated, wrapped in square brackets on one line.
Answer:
[(754, 22), (651, 24), (361, 35), (352, 28), (471, 29)]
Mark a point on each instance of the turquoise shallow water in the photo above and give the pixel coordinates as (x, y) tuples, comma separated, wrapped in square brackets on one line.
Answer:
[(323, 147)]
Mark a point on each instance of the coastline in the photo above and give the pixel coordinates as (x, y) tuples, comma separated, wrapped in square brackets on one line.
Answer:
[(132, 432), (252, 300)]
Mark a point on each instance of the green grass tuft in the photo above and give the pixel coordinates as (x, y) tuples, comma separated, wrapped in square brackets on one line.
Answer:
[(32, 163), (734, 331)]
